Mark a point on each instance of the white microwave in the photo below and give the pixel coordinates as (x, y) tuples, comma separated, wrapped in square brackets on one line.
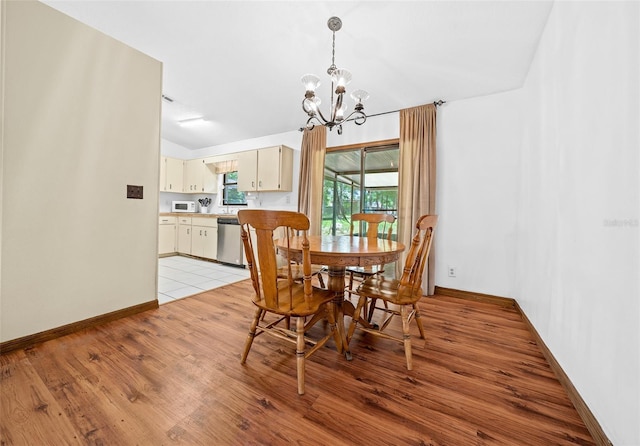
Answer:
[(183, 206)]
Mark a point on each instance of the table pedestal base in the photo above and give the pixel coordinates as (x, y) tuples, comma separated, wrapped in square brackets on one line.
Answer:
[(336, 283)]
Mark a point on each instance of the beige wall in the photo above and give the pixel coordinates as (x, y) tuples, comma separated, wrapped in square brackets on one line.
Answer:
[(81, 120), (578, 239)]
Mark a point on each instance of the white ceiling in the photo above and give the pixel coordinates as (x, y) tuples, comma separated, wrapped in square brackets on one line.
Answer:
[(239, 63)]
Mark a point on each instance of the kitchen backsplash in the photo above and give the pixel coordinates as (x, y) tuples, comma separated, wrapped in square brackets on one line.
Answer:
[(255, 200)]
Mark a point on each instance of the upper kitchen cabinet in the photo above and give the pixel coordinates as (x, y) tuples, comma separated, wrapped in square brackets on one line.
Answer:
[(171, 174), (268, 169), (200, 177)]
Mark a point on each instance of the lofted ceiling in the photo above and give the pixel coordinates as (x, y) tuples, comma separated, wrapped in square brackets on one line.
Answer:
[(238, 64)]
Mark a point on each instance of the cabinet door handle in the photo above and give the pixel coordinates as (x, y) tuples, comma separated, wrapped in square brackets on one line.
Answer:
[(200, 232), (187, 231), (205, 232)]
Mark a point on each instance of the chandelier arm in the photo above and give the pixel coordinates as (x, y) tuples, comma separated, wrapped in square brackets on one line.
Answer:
[(322, 120), (310, 124), (359, 113), (333, 117), (336, 107), (303, 107), (314, 115)]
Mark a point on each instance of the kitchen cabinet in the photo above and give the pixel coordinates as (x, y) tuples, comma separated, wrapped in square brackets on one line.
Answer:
[(184, 235), (167, 235), (204, 237), (268, 169), (171, 174), (209, 178), (200, 177)]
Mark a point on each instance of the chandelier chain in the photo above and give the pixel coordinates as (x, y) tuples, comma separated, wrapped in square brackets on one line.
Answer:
[(333, 53), (333, 67)]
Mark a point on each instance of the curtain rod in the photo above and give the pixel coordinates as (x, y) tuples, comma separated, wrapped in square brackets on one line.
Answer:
[(437, 103)]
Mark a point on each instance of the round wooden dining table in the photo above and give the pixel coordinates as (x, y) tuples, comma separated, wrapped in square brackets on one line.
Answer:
[(338, 252)]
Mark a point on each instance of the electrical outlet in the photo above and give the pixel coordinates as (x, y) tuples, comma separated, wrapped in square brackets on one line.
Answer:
[(451, 271)]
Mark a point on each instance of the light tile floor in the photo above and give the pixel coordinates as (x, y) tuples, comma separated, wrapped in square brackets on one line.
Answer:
[(180, 277)]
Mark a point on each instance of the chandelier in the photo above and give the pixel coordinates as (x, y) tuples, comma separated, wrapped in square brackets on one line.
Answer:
[(339, 80)]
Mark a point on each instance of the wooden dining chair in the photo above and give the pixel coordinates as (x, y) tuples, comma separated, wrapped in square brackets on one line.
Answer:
[(403, 294), (283, 298), (297, 270), (374, 225)]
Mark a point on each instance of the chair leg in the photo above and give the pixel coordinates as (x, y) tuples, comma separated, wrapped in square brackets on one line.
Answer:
[(372, 307), (350, 286), (416, 313), (356, 317), (300, 354), (406, 336), (330, 318), (321, 281), (252, 334)]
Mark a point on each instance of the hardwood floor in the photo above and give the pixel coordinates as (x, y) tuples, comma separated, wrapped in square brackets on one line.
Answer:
[(173, 376)]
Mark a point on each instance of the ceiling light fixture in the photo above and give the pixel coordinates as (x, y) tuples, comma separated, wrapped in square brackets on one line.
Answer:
[(192, 121), (339, 79)]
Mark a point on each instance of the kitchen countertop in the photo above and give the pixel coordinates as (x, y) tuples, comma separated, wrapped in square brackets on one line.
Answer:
[(195, 214)]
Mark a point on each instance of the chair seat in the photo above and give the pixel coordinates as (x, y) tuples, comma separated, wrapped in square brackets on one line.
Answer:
[(299, 306), (381, 287)]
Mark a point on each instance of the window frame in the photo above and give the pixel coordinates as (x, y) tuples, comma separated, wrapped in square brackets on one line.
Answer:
[(363, 148), (227, 185)]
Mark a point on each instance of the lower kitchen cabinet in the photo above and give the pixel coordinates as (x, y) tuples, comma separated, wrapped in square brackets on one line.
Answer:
[(184, 235), (204, 237), (167, 235), (198, 236)]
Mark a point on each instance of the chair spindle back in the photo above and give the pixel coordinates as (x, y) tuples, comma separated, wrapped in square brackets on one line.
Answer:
[(262, 252), (411, 281)]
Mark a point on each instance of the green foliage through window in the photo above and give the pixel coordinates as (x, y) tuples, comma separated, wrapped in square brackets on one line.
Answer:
[(345, 193), (231, 195)]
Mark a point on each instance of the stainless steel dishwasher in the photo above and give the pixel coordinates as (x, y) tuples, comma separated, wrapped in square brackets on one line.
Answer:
[(230, 249)]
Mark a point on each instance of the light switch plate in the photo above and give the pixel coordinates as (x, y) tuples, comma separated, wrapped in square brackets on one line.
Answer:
[(134, 192)]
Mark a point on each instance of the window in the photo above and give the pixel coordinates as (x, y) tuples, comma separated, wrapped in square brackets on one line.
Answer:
[(231, 195), (363, 179)]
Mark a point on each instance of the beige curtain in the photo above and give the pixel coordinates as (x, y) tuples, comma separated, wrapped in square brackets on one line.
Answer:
[(314, 146), (227, 166), (417, 183)]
